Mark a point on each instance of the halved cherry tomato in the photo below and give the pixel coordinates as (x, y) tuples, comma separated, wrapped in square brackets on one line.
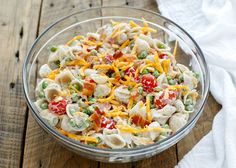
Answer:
[(58, 106), (139, 120), (149, 82), (107, 123)]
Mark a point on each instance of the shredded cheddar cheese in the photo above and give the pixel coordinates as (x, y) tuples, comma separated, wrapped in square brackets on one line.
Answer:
[(166, 65), (127, 128)]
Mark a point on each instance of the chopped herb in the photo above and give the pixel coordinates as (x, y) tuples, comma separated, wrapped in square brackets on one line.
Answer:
[(142, 55), (181, 78), (57, 62), (76, 86), (93, 144), (89, 110)]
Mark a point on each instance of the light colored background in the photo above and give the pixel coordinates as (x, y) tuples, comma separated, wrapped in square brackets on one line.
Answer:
[(22, 142)]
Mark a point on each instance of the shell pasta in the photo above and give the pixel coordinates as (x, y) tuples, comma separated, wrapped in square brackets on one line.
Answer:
[(115, 88)]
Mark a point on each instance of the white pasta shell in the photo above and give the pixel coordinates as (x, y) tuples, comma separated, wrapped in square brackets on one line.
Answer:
[(100, 79), (51, 118), (141, 140), (93, 35), (61, 52), (179, 106), (102, 90), (122, 38), (65, 124), (53, 90), (64, 77), (182, 67), (162, 78), (122, 94), (162, 115), (148, 39), (177, 121), (39, 86), (38, 103), (150, 57), (71, 109), (114, 141), (88, 72), (152, 134), (107, 131), (139, 108), (44, 71), (190, 80), (141, 45)]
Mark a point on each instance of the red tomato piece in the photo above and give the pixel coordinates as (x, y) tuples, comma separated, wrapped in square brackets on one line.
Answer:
[(149, 82), (163, 56), (58, 106), (107, 123)]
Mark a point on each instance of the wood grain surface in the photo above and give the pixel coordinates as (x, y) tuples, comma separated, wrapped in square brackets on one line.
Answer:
[(23, 142)]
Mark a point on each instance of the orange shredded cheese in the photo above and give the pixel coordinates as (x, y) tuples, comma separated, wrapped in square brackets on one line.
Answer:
[(157, 63), (166, 65), (79, 137), (53, 73), (72, 40), (127, 128), (126, 43), (133, 24)]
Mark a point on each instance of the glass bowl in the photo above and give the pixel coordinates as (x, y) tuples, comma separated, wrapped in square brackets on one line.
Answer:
[(89, 20)]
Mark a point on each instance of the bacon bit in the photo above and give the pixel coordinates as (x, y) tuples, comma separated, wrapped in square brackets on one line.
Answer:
[(131, 71), (139, 120), (88, 88), (109, 58), (107, 123), (118, 54), (99, 111), (95, 117)]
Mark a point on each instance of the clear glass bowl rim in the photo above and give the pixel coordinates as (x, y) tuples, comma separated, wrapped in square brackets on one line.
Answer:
[(165, 142)]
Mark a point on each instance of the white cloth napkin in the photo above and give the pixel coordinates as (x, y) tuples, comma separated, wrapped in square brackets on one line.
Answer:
[(212, 23)]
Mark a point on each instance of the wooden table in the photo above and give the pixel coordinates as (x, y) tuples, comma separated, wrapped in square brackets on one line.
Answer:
[(23, 143)]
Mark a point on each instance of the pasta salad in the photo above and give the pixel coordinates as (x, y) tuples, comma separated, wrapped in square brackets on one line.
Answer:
[(116, 88)]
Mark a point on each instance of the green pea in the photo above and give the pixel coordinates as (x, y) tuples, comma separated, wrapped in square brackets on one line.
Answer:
[(166, 126), (44, 106), (53, 48), (171, 82), (168, 77), (44, 84), (140, 89), (189, 107), (93, 53), (189, 100), (161, 46), (158, 88), (91, 99), (74, 97), (88, 111), (145, 71), (41, 94), (156, 73), (142, 55), (76, 86)]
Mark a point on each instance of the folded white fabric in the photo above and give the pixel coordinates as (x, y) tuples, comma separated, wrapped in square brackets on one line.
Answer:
[(212, 23)]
